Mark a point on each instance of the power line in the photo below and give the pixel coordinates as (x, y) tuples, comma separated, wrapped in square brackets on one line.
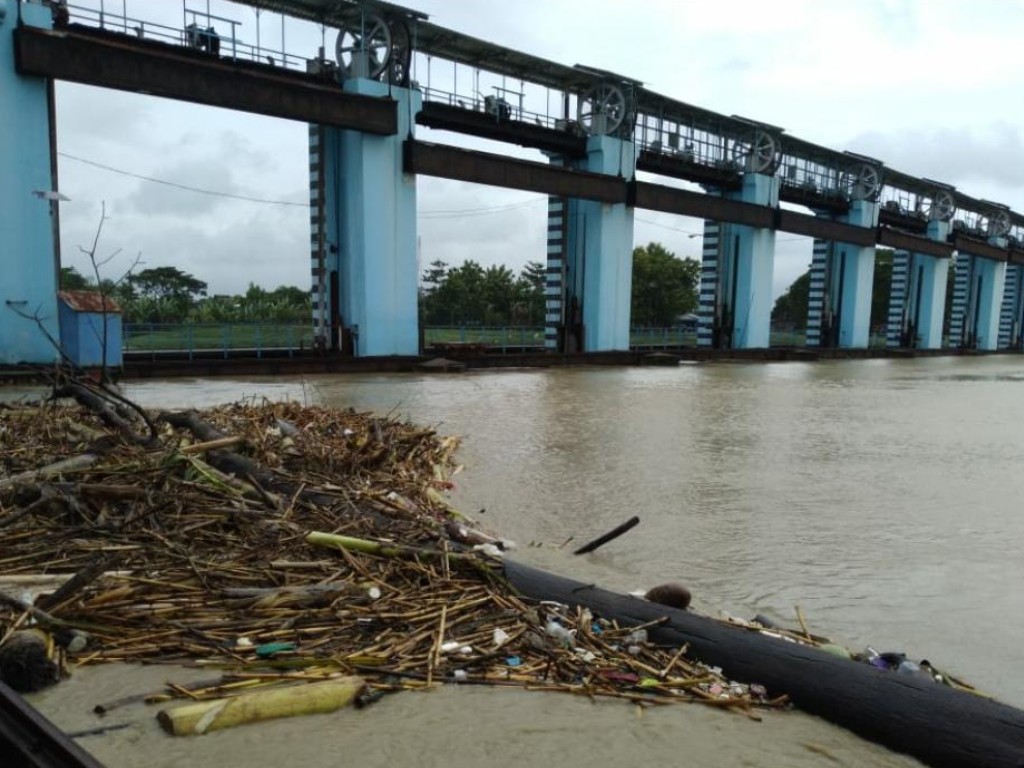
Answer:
[(185, 187), (481, 211)]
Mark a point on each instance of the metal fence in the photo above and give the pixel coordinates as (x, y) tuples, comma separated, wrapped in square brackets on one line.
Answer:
[(191, 338)]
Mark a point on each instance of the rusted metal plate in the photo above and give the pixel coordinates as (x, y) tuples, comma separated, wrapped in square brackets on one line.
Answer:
[(89, 301), (499, 171), (980, 248), (159, 69), (893, 238)]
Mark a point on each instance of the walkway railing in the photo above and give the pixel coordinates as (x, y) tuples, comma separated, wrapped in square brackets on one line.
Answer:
[(498, 337), (277, 339), (188, 339)]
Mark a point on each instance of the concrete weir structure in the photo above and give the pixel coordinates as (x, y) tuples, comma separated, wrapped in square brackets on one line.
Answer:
[(363, 220), (28, 202), (981, 276), (839, 299), (612, 146), (736, 274), (592, 241), (917, 296)]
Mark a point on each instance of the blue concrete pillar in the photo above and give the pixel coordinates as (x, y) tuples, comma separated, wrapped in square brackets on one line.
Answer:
[(839, 304), (977, 300), (28, 222), (364, 231), (736, 274), (1011, 317), (595, 268), (917, 298)]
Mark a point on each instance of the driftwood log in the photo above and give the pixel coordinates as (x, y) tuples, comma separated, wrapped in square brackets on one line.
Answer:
[(938, 725)]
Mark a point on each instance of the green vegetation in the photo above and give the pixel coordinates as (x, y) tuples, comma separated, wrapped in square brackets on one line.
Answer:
[(664, 286), (166, 295), (166, 308), (790, 309)]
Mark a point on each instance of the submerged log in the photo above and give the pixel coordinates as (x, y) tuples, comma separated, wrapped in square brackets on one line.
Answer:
[(938, 725), (254, 706)]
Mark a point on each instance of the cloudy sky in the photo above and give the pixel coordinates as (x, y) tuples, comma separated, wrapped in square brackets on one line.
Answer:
[(929, 87)]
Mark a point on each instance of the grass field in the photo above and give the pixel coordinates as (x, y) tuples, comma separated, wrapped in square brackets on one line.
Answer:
[(200, 337), (149, 338)]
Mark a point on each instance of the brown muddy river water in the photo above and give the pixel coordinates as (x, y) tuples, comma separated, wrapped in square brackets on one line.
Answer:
[(882, 497)]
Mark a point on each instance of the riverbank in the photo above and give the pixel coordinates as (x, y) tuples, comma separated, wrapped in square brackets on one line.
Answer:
[(455, 358)]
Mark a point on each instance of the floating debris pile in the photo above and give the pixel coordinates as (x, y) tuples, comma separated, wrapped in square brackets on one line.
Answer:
[(283, 544)]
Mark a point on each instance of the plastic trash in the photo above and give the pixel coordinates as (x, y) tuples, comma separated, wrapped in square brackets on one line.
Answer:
[(559, 634), (908, 667), (513, 661), (459, 675), (500, 637), (272, 649), (637, 636)]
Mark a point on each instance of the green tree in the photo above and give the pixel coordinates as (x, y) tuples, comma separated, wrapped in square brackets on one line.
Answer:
[(163, 294), (664, 286), (790, 309), (529, 291), (72, 280), (880, 288)]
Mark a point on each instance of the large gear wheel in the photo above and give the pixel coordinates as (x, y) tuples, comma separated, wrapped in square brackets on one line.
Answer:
[(364, 46), (602, 110), (998, 224), (759, 154), (865, 182), (942, 206)]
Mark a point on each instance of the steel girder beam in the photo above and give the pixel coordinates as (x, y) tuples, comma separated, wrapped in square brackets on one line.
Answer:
[(903, 241), (499, 171), (158, 69), (825, 229), (981, 248), (655, 197)]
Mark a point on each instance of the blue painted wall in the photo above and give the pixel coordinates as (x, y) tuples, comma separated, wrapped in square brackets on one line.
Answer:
[(81, 335), (371, 218), (744, 266), (29, 283), (990, 278), (608, 251)]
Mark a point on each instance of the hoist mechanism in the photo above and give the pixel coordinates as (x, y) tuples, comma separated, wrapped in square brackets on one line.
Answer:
[(942, 206), (604, 111), (758, 154), (372, 46), (998, 224), (865, 182)]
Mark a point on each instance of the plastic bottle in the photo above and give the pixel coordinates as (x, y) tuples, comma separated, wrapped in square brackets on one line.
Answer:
[(559, 634)]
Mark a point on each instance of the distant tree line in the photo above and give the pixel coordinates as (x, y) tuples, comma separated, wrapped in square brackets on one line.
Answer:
[(664, 288), (168, 295), (791, 307)]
